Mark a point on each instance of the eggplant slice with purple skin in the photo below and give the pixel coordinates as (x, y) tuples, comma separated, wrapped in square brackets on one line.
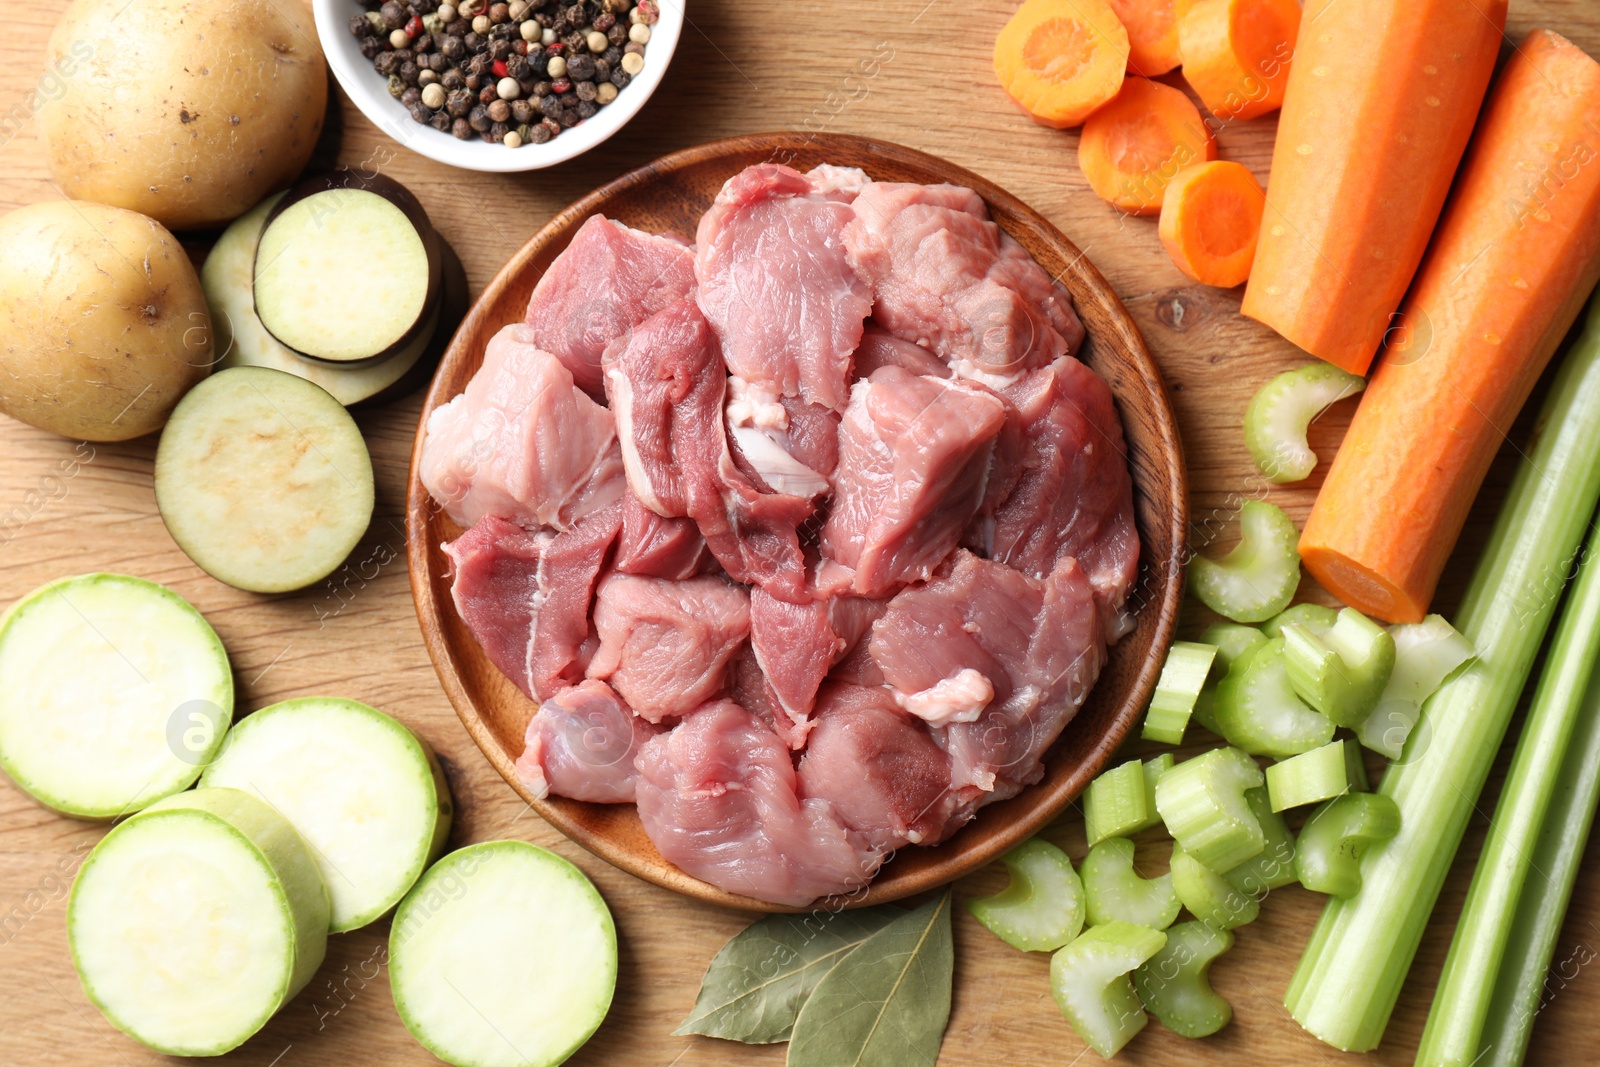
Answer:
[(348, 270)]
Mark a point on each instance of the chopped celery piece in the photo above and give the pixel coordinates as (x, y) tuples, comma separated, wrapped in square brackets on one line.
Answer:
[(1315, 776), (1232, 640), (1341, 673), (1153, 770), (1182, 677), (1425, 654), (1276, 419), (1273, 866), (1317, 618), (1042, 909), (1258, 710), (1090, 983), (1117, 803), (1202, 802), (1258, 578), (1209, 896), (1175, 983), (1116, 892), (1328, 854)]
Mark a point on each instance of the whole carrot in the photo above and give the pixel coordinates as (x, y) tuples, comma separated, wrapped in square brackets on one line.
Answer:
[(1379, 105)]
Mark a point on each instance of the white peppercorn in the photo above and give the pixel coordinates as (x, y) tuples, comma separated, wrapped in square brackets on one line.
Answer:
[(547, 36), (426, 77), (446, 13), (639, 33), (604, 93), (530, 31), (508, 89), (433, 96), (557, 66), (597, 42), (398, 39), (512, 139), (632, 62), (481, 25)]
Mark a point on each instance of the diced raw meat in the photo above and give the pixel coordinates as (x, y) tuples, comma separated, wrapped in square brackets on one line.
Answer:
[(881, 770), (783, 444), (751, 690), (717, 796), (526, 596), (853, 617), (837, 183), (813, 435), (1039, 644), (1074, 496), (667, 385), (654, 547), (665, 646), (880, 348), (959, 698), (913, 456), (581, 744), (797, 644), (521, 442), (775, 284), (606, 281), (944, 276)]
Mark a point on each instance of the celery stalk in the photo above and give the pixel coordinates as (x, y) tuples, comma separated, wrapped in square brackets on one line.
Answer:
[(1042, 908), (1317, 618), (1276, 419), (1312, 777), (1182, 677), (1118, 803), (1090, 981), (1343, 671), (1175, 983), (1114, 890), (1350, 976), (1203, 803), (1467, 986), (1257, 579)]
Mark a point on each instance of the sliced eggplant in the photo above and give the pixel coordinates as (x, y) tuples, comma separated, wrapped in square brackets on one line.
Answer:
[(348, 269), (263, 479)]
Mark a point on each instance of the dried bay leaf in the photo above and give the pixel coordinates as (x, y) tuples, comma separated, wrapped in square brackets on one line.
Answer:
[(886, 1003), (757, 983)]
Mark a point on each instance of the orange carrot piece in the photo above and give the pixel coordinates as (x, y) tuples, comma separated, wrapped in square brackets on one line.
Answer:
[(1380, 104), (1132, 147), (1210, 221), (1152, 27), (1061, 59), (1236, 53), (1514, 258)]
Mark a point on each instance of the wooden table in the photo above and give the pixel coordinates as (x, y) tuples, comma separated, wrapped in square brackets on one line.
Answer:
[(914, 71)]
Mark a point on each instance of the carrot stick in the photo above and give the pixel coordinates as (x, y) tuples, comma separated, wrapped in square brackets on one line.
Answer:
[(1515, 255), (1061, 59), (1152, 27), (1236, 53), (1380, 104), (1132, 147), (1210, 220)]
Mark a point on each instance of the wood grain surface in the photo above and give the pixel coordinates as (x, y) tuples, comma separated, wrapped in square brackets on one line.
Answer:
[(911, 71)]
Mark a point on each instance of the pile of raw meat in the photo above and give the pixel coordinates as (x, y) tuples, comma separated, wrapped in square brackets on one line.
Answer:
[(808, 537)]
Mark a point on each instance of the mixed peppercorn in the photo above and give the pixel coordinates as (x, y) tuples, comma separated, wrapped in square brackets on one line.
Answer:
[(511, 73)]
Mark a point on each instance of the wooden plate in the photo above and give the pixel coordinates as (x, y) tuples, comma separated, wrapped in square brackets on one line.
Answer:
[(671, 194)]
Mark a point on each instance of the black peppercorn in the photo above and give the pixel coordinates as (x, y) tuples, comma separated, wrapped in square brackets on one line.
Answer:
[(360, 26), (421, 43), (517, 67), (612, 55), (441, 121), (420, 113), (499, 49), (462, 130), (480, 64), (499, 111), (411, 96), (620, 78), (487, 95), (452, 79), (523, 112), (371, 48), (474, 83), (585, 90), (450, 47), (386, 63), (602, 70), (541, 89), (617, 35), (458, 28), (458, 103), (480, 119), (499, 12), (580, 68), (576, 41), (550, 106), (569, 117), (394, 16), (473, 41), (605, 22), (409, 71), (540, 133), (587, 109), (545, 21), (402, 55)]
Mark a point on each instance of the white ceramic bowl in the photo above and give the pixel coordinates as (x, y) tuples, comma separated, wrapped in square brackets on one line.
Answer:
[(370, 92)]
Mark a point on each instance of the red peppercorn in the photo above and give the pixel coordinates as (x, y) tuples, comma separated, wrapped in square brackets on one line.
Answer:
[(561, 85), (499, 68), (414, 27), (555, 49)]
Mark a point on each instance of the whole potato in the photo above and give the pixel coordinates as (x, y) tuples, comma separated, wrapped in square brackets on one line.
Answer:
[(103, 324), (189, 111)]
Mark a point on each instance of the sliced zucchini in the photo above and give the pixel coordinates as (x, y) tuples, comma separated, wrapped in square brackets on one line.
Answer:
[(263, 479), (114, 693), (194, 921), (503, 955), (365, 792), (347, 268)]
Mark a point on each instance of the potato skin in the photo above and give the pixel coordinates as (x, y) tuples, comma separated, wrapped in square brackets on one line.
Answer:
[(189, 111), (103, 324)]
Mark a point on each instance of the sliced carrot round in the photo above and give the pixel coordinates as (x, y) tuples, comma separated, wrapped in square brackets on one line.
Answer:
[(1152, 27), (1236, 53), (1210, 220), (1061, 59), (1135, 145)]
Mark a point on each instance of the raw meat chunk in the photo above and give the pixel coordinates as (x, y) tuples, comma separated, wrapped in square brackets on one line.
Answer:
[(1039, 644), (654, 547), (667, 386), (1073, 495), (783, 444), (959, 698), (913, 457), (606, 281), (837, 183), (944, 276), (526, 596), (581, 744), (717, 795), (521, 442), (880, 348), (775, 284), (881, 770), (665, 646), (797, 644)]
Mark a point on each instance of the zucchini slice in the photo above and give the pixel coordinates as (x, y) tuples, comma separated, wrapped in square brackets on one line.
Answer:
[(503, 955), (194, 921), (263, 479), (114, 693), (365, 792)]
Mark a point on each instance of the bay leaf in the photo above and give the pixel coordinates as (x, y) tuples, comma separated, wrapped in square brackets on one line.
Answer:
[(885, 1004), (757, 982)]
